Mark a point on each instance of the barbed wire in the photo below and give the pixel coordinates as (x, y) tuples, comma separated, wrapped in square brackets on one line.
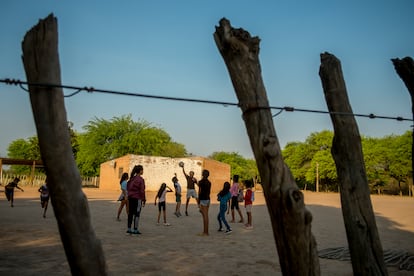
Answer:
[(91, 89)]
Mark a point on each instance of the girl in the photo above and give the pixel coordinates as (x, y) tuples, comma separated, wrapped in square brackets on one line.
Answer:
[(123, 197), (161, 195), (136, 198), (224, 197), (248, 202)]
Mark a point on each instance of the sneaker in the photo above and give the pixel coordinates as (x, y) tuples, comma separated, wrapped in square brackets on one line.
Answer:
[(179, 214), (136, 232), (129, 231), (228, 231), (167, 224), (176, 214), (220, 230)]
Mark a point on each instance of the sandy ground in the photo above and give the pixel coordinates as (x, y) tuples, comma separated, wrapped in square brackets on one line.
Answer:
[(31, 245)]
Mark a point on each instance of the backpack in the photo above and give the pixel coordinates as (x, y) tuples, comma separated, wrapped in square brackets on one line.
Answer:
[(240, 196)]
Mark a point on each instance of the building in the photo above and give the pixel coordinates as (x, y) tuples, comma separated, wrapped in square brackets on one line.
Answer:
[(159, 169)]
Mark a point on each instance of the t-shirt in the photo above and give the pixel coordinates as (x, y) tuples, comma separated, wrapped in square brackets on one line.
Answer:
[(234, 190), (248, 197), (223, 199), (204, 187), (44, 191), (177, 187)]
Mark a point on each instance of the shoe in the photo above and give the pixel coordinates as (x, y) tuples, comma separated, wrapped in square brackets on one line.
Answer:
[(186, 213), (176, 214), (167, 224), (129, 231), (249, 227), (241, 221), (136, 232), (118, 219), (220, 230), (228, 231), (179, 214)]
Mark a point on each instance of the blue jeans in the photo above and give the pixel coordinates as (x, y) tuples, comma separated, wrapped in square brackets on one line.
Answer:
[(221, 217)]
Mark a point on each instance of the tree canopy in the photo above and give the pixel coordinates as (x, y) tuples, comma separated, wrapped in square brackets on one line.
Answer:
[(387, 162), (104, 140), (245, 168)]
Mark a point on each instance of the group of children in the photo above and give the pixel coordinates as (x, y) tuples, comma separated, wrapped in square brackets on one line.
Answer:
[(228, 197), (43, 190)]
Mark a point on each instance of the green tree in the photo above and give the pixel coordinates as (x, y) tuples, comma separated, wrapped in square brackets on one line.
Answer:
[(245, 168), (24, 149), (108, 139)]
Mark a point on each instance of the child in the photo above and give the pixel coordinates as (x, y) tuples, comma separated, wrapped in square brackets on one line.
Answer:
[(248, 202), (177, 188), (161, 195), (224, 197), (204, 189), (123, 197), (9, 190), (44, 197)]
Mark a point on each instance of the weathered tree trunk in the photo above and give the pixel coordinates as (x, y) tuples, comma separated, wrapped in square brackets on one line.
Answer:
[(405, 69), (41, 62), (291, 221), (361, 229)]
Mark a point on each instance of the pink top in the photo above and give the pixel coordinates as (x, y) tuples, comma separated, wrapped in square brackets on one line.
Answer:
[(234, 190)]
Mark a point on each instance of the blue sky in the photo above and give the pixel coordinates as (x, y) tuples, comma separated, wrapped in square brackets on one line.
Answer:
[(167, 48)]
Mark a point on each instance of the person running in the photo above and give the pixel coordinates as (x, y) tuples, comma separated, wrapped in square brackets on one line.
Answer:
[(177, 188), (44, 197), (123, 197), (191, 192), (234, 190), (136, 198), (161, 196), (224, 196), (9, 190), (204, 188)]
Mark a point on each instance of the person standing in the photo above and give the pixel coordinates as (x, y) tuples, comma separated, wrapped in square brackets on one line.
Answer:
[(204, 188), (123, 197), (234, 190), (191, 192), (177, 188), (44, 197), (161, 195), (136, 198), (224, 196), (9, 190), (248, 203)]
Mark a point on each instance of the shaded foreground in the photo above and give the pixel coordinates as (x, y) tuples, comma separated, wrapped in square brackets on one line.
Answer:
[(30, 245)]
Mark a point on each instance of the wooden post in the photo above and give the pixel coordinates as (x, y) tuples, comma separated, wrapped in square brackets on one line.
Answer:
[(361, 229), (291, 221), (41, 62), (405, 69)]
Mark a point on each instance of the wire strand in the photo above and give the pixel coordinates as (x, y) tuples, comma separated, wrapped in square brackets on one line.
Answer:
[(91, 89)]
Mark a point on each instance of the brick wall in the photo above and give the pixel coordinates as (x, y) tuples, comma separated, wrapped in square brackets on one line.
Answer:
[(159, 169)]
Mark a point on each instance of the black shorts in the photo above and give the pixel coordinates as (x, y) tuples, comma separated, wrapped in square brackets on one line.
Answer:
[(161, 205), (234, 203)]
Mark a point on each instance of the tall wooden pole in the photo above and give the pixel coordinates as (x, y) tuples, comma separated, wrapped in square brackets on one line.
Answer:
[(361, 229), (291, 221), (405, 69), (41, 62)]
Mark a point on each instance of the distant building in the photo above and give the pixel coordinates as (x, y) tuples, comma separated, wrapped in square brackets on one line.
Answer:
[(159, 169)]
